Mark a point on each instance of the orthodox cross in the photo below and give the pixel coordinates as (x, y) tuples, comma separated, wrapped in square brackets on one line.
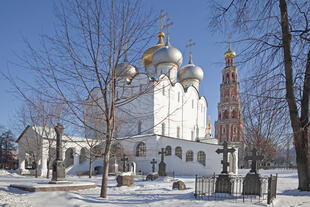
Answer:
[(189, 45), (225, 152), (229, 39), (59, 130), (124, 160), (153, 164), (163, 152), (161, 17), (168, 24), (254, 159)]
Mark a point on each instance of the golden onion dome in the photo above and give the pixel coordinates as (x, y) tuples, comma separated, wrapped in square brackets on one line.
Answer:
[(229, 53), (148, 54)]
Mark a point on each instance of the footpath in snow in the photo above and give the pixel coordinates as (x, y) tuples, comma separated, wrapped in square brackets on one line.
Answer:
[(143, 193)]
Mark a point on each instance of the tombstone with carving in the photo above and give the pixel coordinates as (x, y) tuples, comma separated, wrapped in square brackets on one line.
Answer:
[(252, 184)]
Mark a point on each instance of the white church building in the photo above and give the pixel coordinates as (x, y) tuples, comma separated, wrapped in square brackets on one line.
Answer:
[(167, 112)]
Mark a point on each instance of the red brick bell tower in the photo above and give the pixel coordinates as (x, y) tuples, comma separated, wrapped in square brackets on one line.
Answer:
[(229, 126)]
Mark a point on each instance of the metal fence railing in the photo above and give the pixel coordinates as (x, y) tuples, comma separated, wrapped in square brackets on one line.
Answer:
[(208, 188)]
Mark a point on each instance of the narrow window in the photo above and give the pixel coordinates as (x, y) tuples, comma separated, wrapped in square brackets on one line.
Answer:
[(178, 132), (179, 97), (163, 90), (163, 129), (139, 127), (168, 150)]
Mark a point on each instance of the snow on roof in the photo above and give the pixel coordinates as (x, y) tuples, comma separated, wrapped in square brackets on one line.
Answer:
[(48, 133)]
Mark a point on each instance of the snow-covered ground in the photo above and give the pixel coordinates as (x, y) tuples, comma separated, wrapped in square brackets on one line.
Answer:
[(143, 193)]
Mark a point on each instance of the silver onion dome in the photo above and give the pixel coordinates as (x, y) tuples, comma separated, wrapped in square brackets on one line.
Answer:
[(126, 70), (190, 71), (167, 54)]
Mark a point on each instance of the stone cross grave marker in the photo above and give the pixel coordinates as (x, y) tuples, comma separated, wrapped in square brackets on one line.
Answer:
[(225, 152), (59, 174), (124, 160), (162, 164), (254, 159), (153, 162)]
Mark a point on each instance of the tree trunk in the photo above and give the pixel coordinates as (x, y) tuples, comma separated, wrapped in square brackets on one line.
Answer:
[(90, 167), (48, 168), (105, 175), (37, 170), (301, 142)]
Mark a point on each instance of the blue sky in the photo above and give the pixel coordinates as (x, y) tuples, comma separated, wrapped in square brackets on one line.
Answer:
[(28, 19)]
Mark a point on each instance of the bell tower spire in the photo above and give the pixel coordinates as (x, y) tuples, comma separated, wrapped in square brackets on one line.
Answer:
[(229, 126)]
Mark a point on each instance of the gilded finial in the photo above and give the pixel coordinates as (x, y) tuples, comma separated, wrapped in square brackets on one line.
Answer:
[(209, 126), (229, 41), (230, 53), (161, 34), (189, 45)]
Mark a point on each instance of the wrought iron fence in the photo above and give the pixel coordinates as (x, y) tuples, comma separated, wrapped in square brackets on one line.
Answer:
[(208, 188)]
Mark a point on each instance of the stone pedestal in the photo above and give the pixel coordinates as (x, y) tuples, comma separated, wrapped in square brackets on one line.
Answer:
[(59, 173), (224, 184), (152, 177), (252, 184), (162, 169), (124, 180), (180, 185)]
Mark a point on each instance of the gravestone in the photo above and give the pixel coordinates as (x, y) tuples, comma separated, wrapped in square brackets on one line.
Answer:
[(153, 162), (252, 184), (124, 180), (59, 173), (162, 164), (153, 175), (224, 182), (132, 168)]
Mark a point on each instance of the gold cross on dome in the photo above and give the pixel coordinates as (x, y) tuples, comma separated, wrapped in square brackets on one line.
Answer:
[(189, 45), (229, 39), (168, 24), (161, 18)]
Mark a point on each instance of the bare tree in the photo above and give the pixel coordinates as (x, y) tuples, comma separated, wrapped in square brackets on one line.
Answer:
[(276, 35), (265, 119), (82, 55)]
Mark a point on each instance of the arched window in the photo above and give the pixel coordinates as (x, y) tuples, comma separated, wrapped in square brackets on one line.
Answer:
[(201, 157), (83, 155), (189, 156), (163, 128), (226, 114), (178, 152), (227, 78), (69, 157), (219, 116), (168, 150), (139, 127), (141, 150), (233, 77), (234, 114)]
